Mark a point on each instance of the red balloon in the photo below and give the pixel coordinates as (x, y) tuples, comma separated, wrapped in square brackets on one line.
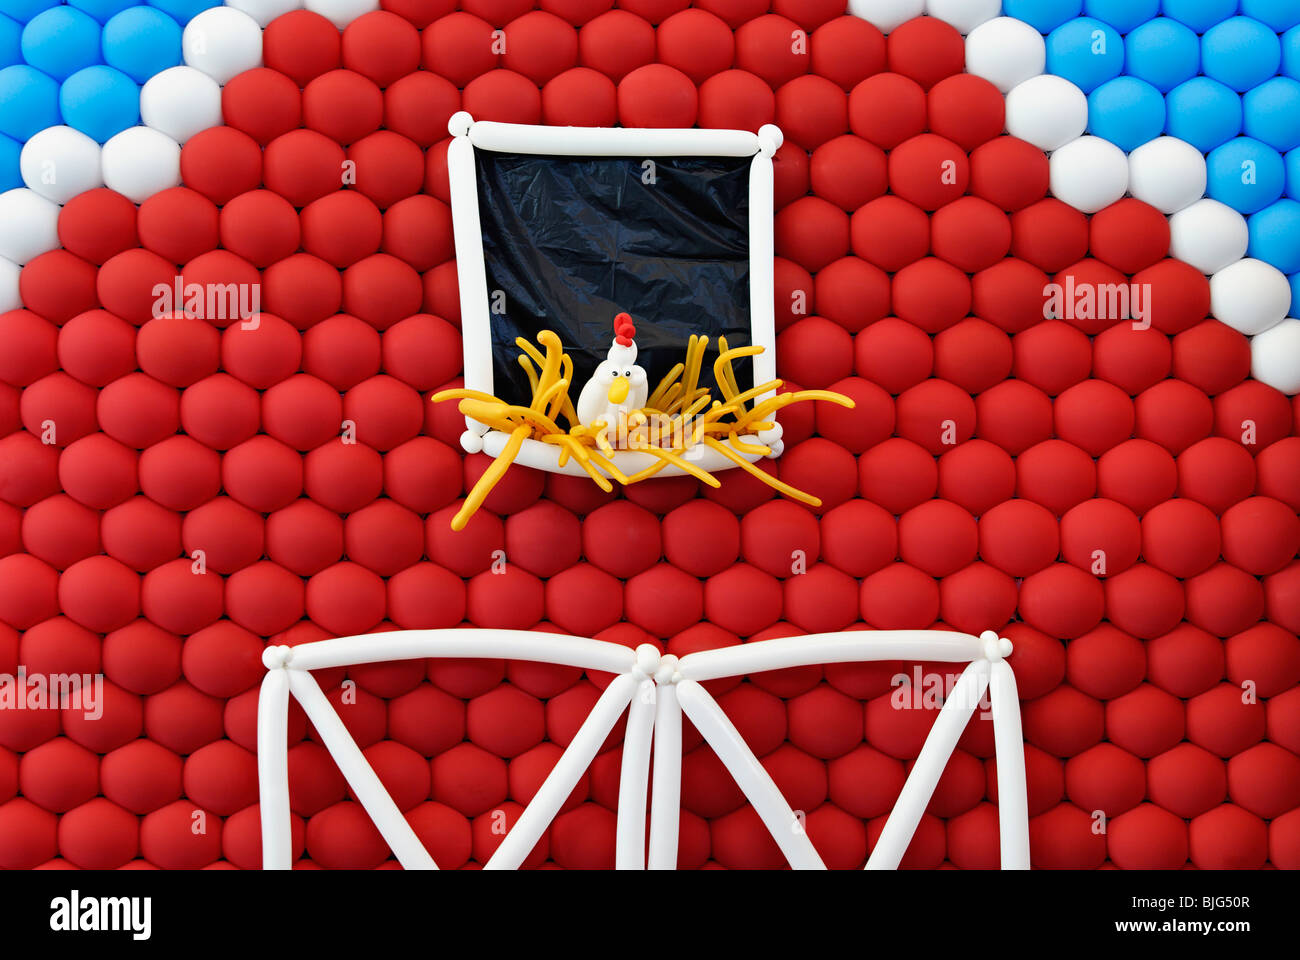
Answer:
[(735, 99), (926, 49), (264, 598), (890, 232), (178, 350), (341, 228), (811, 110), (343, 476), (262, 103), (1174, 414), (1049, 234), (304, 537), (812, 233), (505, 96), (616, 43), (1181, 537), (663, 600), (302, 45), (139, 410), (657, 95), (1094, 415), (1052, 356), (928, 170), (932, 294), (58, 285), (1216, 472), (1005, 171), (381, 46), (887, 109), (938, 537), (742, 599), (1138, 474), (342, 105), (848, 171), (766, 46), (966, 109), (899, 597), (580, 97), (846, 50), (95, 470), (302, 166), (1062, 601), (971, 234), (99, 223), (58, 409), (1129, 235), (141, 533)]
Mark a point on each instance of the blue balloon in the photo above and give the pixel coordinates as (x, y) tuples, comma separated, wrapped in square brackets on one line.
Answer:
[(11, 32), (24, 10), (102, 10), (1162, 52), (1203, 112), (1086, 52), (1240, 53), (1278, 15), (1126, 111), (142, 41), (1275, 236), (1245, 174), (29, 102), (1200, 15), (1123, 15), (1272, 113), (1291, 53), (61, 41), (100, 102), (183, 11), (1292, 164), (10, 174), (1043, 15), (1295, 295)]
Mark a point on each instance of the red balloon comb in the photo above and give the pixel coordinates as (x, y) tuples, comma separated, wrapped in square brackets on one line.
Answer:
[(624, 330)]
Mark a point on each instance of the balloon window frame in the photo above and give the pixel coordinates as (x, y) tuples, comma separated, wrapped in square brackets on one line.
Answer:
[(655, 690), (469, 135)]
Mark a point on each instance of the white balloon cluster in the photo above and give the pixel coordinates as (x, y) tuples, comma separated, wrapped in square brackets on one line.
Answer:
[(1090, 173)]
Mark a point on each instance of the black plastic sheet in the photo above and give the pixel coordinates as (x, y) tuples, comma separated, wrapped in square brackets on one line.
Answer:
[(569, 242)]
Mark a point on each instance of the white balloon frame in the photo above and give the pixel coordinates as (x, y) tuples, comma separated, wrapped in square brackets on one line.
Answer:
[(469, 135), (655, 689)]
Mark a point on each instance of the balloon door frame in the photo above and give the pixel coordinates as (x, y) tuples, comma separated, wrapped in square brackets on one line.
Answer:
[(469, 135), (655, 690)]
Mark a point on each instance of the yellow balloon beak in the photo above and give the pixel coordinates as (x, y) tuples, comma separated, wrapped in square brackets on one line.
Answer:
[(618, 390)]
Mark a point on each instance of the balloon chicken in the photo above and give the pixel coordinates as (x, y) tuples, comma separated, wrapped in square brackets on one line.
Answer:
[(616, 410)]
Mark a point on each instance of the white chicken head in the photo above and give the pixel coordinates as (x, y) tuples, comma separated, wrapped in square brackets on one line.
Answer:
[(618, 386)]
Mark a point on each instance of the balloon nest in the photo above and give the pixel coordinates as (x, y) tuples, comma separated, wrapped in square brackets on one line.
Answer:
[(679, 417)]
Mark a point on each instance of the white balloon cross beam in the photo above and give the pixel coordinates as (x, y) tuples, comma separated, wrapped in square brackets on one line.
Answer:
[(656, 690)]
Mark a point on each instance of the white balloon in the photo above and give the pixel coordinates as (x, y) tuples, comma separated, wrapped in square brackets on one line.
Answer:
[(180, 102), (264, 11), (1047, 111), (1275, 356), (140, 162), (1167, 173), (1089, 174), (29, 225), (1006, 52), (9, 296), (1209, 235), (59, 163), (342, 12), (963, 15), (223, 43), (1250, 296)]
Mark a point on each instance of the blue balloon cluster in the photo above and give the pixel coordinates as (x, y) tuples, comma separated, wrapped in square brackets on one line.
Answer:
[(81, 63), (1222, 75)]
